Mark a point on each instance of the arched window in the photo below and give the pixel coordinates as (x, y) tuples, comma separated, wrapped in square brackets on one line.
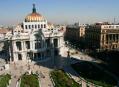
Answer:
[(18, 45), (44, 25), (32, 26), (26, 27), (41, 26), (35, 26), (37, 45), (29, 26)]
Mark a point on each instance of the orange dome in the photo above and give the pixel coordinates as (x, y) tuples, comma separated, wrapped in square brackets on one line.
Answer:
[(34, 16)]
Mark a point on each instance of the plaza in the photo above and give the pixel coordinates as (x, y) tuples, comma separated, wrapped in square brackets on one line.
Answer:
[(36, 53)]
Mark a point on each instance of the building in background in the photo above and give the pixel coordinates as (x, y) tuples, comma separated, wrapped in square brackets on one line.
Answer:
[(3, 32), (75, 33), (98, 36), (102, 36)]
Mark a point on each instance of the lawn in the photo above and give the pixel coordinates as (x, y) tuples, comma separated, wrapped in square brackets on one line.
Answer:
[(93, 74), (29, 81), (4, 80), (61, 79)]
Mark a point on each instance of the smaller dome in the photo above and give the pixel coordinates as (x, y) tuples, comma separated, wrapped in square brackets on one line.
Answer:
[(34, 16)]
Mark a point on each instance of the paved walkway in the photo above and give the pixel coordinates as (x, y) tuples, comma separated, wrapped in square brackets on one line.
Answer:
[(17, 69), (45, 78)]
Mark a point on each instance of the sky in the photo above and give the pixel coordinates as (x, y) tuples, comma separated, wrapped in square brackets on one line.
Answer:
[(13, 12)]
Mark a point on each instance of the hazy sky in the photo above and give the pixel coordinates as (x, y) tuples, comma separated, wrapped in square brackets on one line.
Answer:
[(60, 11)]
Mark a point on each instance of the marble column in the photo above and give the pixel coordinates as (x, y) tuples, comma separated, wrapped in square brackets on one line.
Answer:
[(31, 44), (22, 45), (104, 38), (15, 56), (14, 46)]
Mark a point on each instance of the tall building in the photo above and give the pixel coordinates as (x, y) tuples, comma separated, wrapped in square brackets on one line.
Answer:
[(102, 36), (35, 39)]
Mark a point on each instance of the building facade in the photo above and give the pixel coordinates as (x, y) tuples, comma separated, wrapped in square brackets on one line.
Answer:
[(75, 33), (102, 36), (35, 39)]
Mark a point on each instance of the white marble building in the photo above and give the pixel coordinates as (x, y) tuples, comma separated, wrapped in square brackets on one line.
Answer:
[(35, 39)]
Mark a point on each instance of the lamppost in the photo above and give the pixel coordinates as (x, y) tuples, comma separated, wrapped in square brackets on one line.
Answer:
[(30, 57), (28, 63), (68, 56), (52, 49)]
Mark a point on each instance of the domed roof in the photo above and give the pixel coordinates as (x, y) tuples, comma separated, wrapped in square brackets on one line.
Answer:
[(34, 16)]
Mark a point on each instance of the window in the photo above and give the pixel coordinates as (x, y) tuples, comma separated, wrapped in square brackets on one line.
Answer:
[(110, 37), (44, 25), (38, 26), (56, 52), (18, 44), (32, 26), (117, 26), (116, 36), (43, 55), (55, 42), (28, 54), (19, 57), (35, 56), (26, 27), (113, 37), (35, 26), (48, 53), (27, 44), (109, 26), (41, 26), (39, 55), (37, 45), (29, 26), (48, 42)]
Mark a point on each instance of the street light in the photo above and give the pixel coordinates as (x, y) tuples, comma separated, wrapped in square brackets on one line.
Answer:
[(68, 56), (28, 58), (28, 63)]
